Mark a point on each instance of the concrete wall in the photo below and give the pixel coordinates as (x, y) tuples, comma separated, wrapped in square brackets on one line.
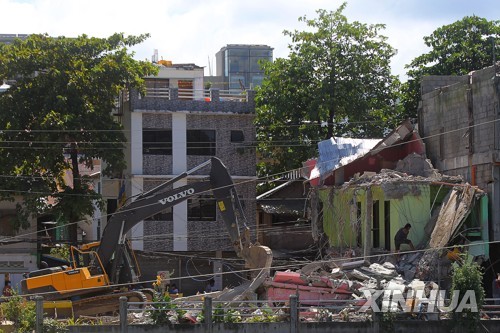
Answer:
[(238, 158), (338, 327), (459, 120), (201, 235), (19, 257), (408, 203), (148, 171), (149, 103)]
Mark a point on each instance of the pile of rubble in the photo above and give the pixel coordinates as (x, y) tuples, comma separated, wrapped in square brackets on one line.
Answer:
[(350, 282), (330, 290), (413, 168)]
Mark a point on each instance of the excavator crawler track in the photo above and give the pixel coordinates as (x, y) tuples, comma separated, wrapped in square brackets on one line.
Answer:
[(109, 303)]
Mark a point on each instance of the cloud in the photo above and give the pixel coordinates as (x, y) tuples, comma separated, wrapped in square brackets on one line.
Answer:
[(193, 31)]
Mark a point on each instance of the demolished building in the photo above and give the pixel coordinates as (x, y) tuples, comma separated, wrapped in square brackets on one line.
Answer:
[(366, 200), (362, 192)]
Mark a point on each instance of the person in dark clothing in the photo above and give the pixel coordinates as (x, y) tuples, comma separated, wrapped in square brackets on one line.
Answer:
[(402, 237), (7, 289), (210, 286), (173, 289)]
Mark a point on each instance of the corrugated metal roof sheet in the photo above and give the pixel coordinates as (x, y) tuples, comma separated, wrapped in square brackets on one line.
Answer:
[(336, 152)]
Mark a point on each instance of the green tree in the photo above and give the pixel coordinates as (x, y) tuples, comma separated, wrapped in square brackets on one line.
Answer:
[(466, 276), (335, 82), (456, 49), (57, 116)]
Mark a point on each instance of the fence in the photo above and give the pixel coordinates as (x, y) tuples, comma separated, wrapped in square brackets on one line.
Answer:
[(207, 95), (214, 311), (287, 313), (491, 307)]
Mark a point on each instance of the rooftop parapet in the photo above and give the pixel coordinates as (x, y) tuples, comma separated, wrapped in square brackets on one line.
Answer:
[(211, 100)]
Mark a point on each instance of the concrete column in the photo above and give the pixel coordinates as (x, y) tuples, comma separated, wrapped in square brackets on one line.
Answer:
[(214, 95), (207, 308), (179, 165), (123, 314), (180, 230), (367, 243), (179, 144), (136, 143), (39, 314), (251, 98), (218, 270), (294, 314), (495, 203), (174, 93), (137, 232)]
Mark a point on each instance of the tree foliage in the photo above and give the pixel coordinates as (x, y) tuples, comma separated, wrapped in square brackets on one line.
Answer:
[(456, 49), (57, 117), (21, 312), (336, 81), (468, 276)]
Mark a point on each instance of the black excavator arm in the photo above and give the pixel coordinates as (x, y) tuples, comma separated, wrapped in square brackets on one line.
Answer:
[(113, 250)]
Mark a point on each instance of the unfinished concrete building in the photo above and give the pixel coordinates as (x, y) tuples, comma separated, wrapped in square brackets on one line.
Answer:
[(173, 127), (459, 119)]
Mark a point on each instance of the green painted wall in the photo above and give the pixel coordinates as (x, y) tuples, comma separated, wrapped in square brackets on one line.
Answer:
[(409, 203)]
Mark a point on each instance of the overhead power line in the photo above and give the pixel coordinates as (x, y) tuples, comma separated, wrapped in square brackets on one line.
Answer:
[(280, 173)]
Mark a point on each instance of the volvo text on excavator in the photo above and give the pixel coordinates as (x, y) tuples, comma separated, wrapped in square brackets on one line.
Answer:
[(97, 270)]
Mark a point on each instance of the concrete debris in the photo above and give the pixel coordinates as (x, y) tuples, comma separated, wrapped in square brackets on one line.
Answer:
[(396, 285), (417, 285), (380, 271), (312, 267), (353, 264), (414, 168), (337, 273), (457, 205), (325, 294), (355, 274), (417, 165), (388, 265)]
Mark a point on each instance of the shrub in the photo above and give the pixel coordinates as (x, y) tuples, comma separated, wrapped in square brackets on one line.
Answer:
[(467, 275), (51, 325), (164, 310), (21, 312)]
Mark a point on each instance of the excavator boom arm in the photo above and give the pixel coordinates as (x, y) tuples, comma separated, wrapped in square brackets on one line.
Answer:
[(130, 215), (158, 199)]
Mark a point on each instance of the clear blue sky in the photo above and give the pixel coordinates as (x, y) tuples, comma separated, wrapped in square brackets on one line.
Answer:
[(194, 30)]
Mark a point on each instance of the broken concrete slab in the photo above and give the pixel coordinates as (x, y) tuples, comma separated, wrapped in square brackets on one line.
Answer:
[(377, 269), (388, 265), (417, 284), (353, 264), (456, 207), (310, 268), (355, 274), (417, 165), (396, 285), (337, 273)]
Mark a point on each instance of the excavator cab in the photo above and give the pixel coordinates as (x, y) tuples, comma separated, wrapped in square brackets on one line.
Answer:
[(86, 275)]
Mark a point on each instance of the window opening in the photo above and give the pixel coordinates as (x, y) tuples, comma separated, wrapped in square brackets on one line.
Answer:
[(156, 141), (201, 142)]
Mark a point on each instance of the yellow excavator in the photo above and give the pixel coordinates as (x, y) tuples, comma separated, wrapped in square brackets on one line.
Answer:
[(98, 272)]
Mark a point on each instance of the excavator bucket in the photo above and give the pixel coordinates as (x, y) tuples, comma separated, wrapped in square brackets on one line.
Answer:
[(258, 257)]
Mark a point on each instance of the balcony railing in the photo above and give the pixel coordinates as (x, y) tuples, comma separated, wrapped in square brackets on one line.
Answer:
[(196, 94)]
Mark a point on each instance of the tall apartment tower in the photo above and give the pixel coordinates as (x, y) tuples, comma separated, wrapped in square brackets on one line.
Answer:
[(237, 65)]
